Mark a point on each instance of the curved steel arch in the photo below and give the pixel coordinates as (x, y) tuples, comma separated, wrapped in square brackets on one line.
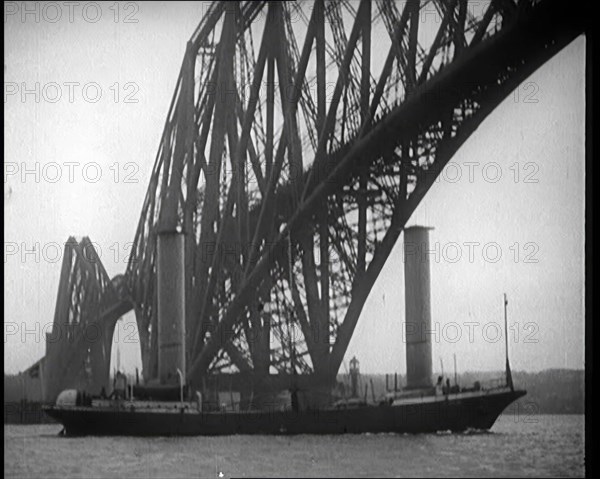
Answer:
[(264, 187)]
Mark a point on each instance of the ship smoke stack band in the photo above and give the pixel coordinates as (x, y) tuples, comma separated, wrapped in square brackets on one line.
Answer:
[(171, 306), (418, 307)]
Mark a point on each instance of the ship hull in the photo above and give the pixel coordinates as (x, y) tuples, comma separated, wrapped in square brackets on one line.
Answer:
[(453, 414)]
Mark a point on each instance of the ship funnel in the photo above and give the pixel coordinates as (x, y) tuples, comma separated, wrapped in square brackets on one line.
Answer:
[(418, 307), (171, 306)]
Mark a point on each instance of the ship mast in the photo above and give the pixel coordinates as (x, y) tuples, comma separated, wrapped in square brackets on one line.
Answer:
[(509, 381)]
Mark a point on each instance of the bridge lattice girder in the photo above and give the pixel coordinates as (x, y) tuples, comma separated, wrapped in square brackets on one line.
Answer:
[(88, 306), (292, 197)]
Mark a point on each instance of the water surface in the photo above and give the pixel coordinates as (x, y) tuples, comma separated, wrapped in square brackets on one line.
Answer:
[(545, 445)]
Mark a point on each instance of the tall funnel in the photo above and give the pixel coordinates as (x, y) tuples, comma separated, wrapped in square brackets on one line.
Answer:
[(171, 306), (418, 307)]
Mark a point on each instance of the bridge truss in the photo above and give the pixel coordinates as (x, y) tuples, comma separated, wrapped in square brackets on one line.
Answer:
[(299, 140)]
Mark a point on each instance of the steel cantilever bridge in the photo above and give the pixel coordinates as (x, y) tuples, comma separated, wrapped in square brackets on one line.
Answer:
[(299, 140)]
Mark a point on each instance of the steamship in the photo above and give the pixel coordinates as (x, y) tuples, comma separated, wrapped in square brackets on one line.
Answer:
[(176, 409)]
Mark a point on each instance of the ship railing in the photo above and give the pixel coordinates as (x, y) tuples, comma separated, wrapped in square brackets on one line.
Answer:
[(489, 385), (495, 383)]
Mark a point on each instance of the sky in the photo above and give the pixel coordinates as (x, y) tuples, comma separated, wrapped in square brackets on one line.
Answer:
[(85, 100)]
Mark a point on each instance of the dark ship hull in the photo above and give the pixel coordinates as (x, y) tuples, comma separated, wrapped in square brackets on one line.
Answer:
[(456, 412)]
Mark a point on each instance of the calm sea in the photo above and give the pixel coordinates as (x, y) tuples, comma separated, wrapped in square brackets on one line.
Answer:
[(516, 446)]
